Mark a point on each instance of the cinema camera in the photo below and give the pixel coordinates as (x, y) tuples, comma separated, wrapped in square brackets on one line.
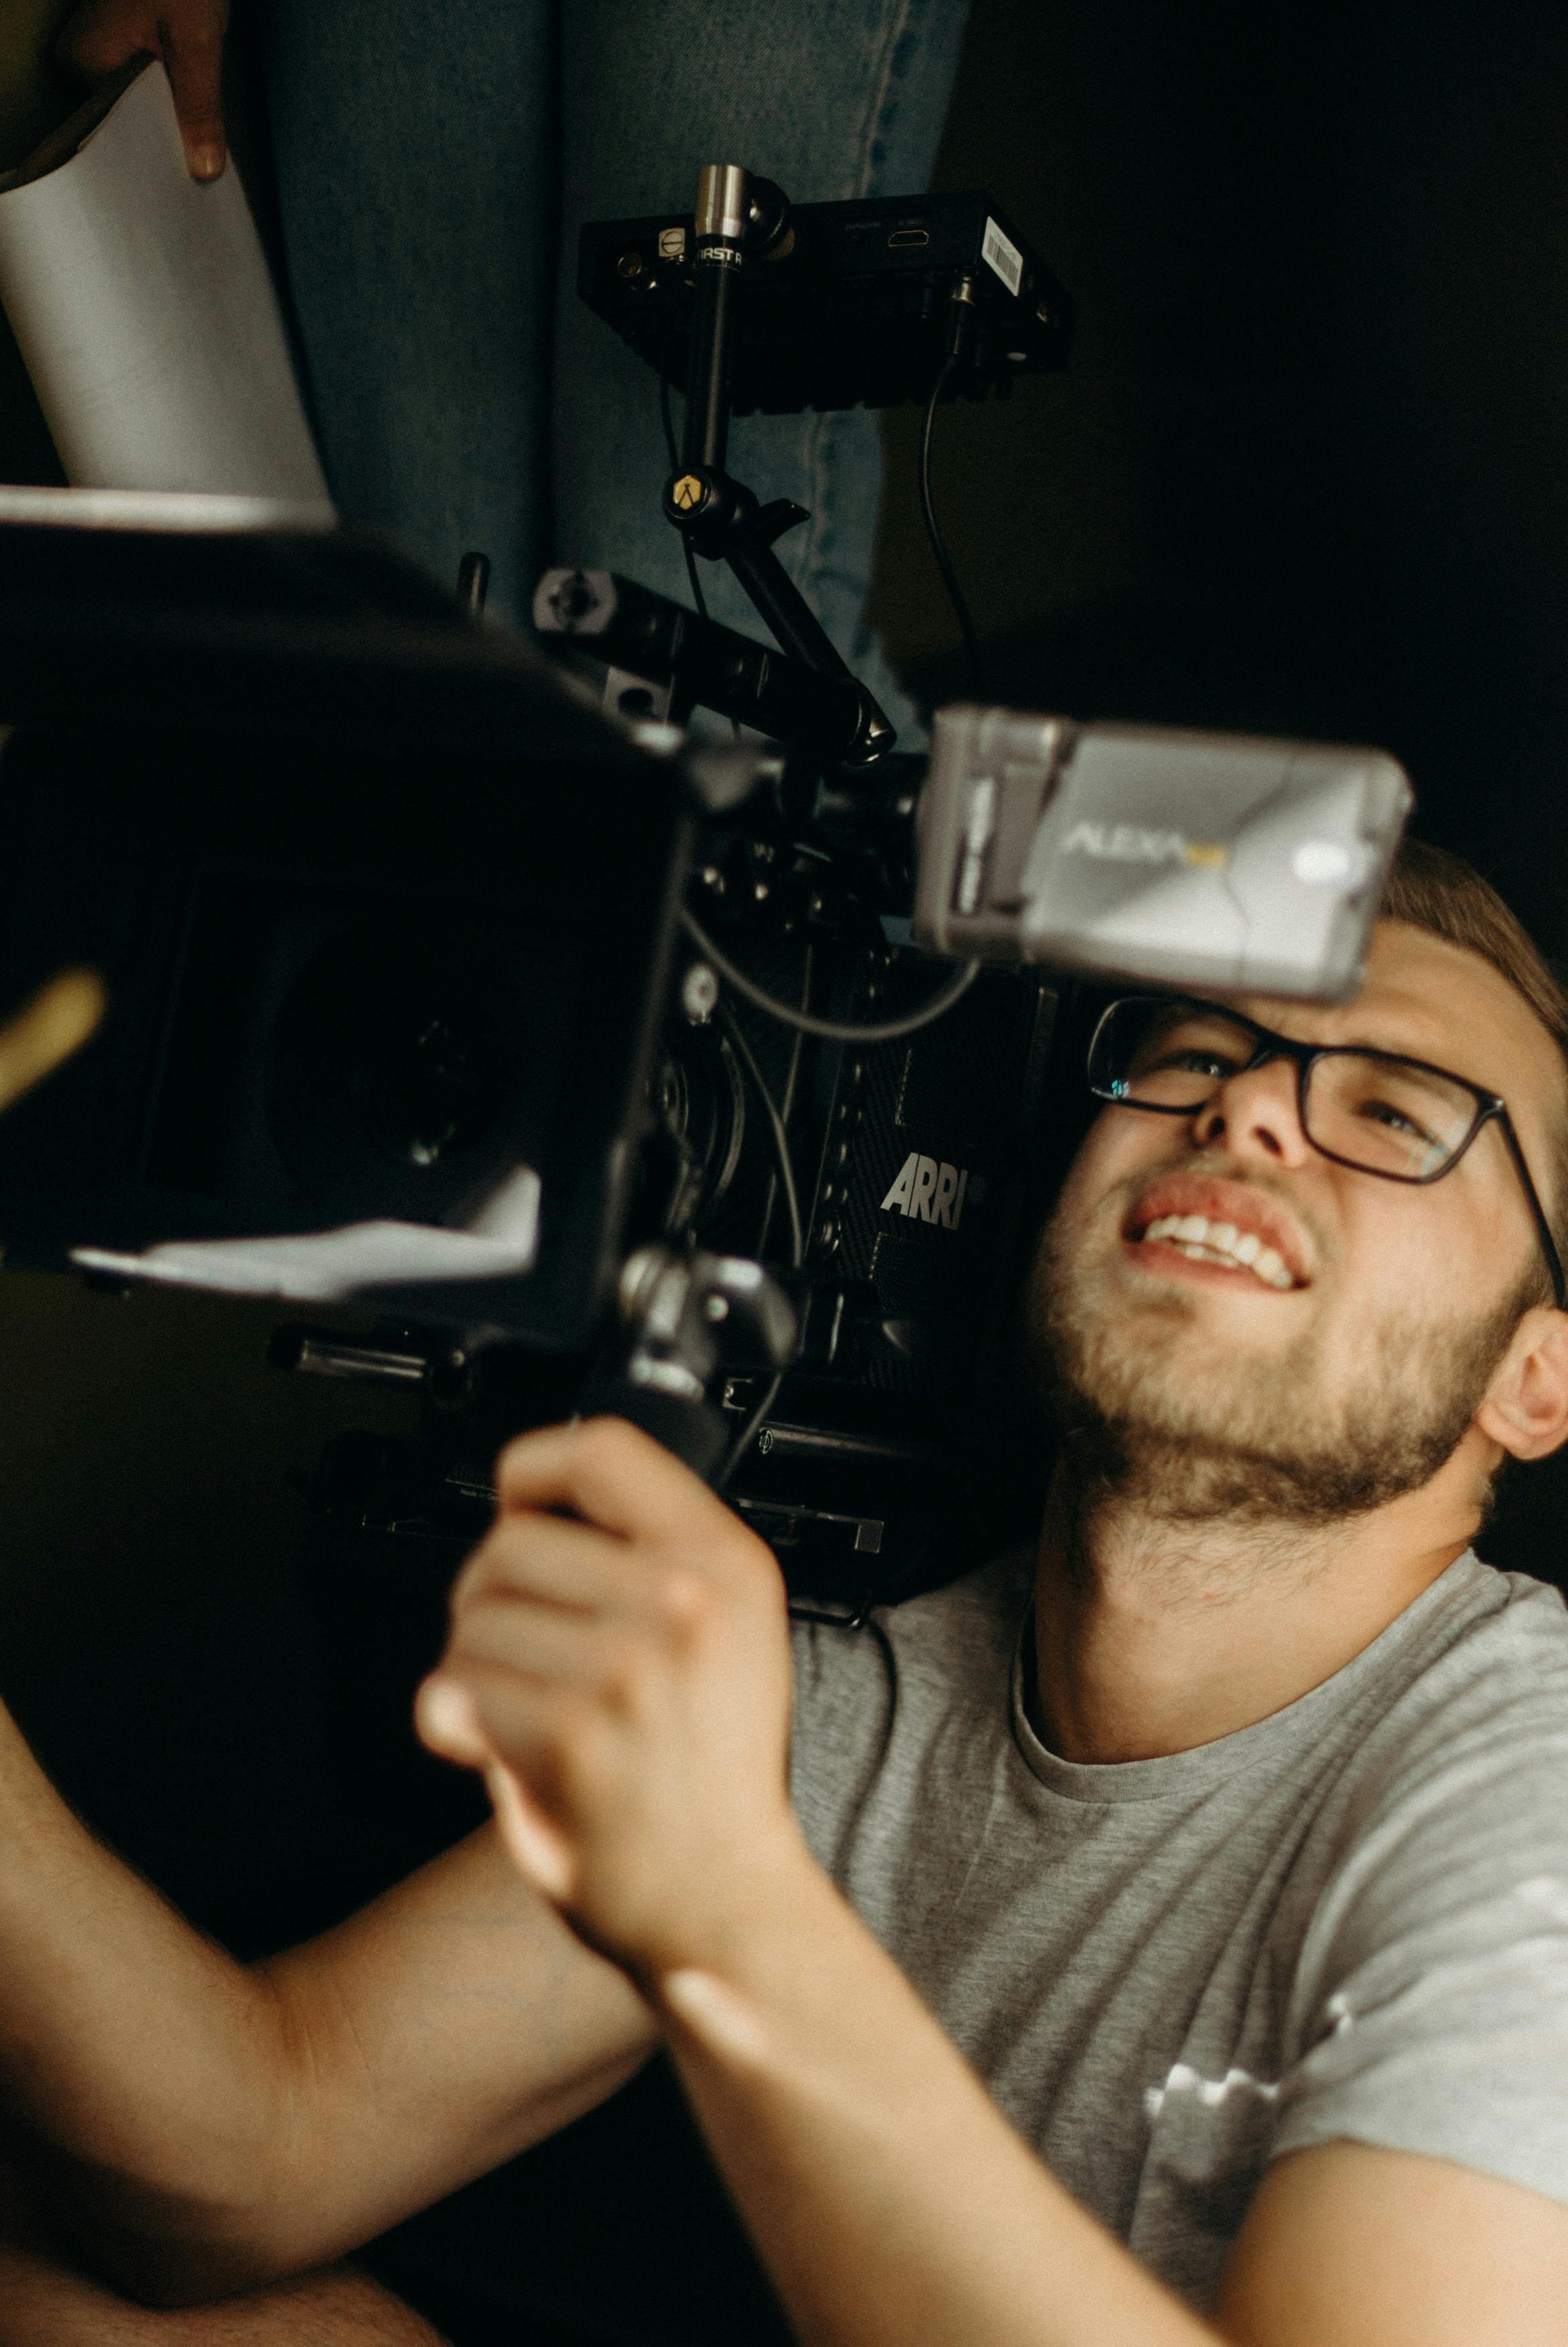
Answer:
[(572, 1060)]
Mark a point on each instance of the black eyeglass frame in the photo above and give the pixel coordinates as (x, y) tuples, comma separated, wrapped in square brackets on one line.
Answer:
[(1491, 1108)]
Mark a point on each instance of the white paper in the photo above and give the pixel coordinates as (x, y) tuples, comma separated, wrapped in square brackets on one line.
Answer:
[(325, 1267), (203, 513), (144, 308)]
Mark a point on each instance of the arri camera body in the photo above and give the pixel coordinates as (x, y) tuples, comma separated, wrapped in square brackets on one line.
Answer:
[(587, 1061)]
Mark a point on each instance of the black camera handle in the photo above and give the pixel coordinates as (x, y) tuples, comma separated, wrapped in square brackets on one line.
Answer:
[(686, 1322), (742, 220)]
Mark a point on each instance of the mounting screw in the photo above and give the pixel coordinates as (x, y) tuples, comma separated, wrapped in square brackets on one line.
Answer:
[(699, 993)]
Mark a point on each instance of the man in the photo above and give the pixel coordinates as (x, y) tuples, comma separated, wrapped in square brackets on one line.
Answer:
[(1245, 1898), (1236, 1862)]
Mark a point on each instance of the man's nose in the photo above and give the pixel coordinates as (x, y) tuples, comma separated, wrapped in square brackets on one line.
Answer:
[(1256, 1114)]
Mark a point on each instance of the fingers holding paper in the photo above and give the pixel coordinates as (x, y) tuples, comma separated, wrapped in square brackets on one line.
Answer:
[(619, 1667), (100, 36)]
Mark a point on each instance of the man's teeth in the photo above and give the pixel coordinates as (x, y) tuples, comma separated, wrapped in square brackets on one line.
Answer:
[(1206, 1242)]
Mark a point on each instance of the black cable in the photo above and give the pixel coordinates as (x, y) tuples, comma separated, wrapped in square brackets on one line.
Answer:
[(698, 596), (833, 1030), (666, 412), (747, 1057), (748, 1433), (939, 545), (786, 1105)]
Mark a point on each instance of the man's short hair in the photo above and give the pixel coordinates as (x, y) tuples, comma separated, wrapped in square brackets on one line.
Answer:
[(1441, 892)]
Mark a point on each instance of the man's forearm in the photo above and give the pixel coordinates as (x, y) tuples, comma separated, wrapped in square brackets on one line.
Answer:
[(209, 2127), (45, 2304), (143, 2054), (888, 2195)]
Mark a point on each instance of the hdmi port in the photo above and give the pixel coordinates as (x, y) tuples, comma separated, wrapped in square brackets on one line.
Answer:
[(905, 236)]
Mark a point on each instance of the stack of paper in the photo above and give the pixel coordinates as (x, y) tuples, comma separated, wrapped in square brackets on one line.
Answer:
[(144, 308)]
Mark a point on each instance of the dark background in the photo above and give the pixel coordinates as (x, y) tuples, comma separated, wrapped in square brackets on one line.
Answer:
[(1307, 472), (1310, 466)]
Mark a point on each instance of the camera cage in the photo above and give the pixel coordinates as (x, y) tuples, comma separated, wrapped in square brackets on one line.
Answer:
[(637, 1026)]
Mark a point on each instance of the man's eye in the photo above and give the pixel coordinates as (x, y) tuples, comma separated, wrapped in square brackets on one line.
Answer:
[(1384, 1112), (1195, 1059)]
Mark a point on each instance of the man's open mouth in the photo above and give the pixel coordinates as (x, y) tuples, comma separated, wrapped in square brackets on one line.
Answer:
[(1227, 1225), (1204, 1242)]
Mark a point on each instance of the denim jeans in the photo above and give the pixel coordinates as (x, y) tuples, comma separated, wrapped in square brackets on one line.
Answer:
[(435, 159)]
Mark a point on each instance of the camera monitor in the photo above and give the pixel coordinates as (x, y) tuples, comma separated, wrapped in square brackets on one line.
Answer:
[(847, 306)]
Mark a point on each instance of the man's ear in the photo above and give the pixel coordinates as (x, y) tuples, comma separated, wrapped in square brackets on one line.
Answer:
[(1526, 1406)]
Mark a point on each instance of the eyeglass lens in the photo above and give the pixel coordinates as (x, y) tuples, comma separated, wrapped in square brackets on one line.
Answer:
[(1376, 1112)]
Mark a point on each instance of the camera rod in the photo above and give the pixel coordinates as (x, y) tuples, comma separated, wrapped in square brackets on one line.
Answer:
[(739, 220)]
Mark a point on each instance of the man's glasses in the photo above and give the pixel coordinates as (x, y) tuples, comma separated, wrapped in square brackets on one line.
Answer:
[(1398, 1118)]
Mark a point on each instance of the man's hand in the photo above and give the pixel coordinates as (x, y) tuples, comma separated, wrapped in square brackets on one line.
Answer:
[(618, 1665), (101, 35)]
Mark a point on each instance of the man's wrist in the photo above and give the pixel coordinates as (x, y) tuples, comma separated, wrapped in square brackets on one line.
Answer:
[(766, 1954), (747, 1927)]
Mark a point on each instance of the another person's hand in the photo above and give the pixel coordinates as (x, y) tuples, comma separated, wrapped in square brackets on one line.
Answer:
[(619, 1667), (101, 35)]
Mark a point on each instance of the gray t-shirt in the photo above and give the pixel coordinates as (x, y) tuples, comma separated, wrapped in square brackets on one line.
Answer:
[(1350, 1920)]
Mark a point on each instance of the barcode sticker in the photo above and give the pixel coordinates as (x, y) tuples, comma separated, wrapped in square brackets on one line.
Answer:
[(1003, 256)]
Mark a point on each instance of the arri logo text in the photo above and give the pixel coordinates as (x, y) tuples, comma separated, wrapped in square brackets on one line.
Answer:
[(932, 1191)]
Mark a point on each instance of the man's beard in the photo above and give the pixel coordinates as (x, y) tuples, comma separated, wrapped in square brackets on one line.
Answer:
[(1254, 1438)]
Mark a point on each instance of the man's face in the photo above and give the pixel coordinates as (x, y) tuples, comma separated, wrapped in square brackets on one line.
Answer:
[(1346, 1377)]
